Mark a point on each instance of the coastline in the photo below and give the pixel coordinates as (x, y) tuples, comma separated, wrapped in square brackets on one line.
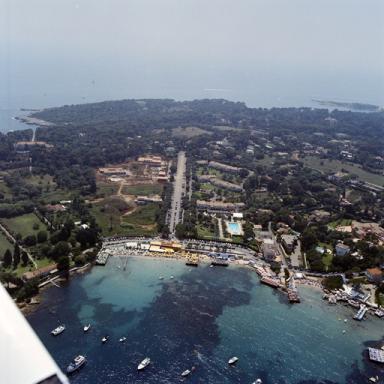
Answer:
[(28, 308), (34, 121)]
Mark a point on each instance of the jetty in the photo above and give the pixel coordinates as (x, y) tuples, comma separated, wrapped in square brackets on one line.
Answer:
[(220, 263), (376, 355), (102, 257), (360, 313), (293, 296), (274, 283), (192, 259)]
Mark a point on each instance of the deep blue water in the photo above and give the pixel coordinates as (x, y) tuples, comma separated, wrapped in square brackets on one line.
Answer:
[(200, 318)]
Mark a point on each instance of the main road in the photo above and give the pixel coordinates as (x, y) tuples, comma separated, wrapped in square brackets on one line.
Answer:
[(176, 212)]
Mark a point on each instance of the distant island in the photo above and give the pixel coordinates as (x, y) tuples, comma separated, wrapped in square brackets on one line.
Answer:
[(359, 107)]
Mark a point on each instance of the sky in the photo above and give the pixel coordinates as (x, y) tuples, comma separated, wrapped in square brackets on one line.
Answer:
[(267, 51)]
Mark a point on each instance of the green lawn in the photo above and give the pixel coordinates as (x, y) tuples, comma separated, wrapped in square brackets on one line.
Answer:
[(266, 161), (343, 222), (41, 180), (5, 190), (207, 187), (143, 190), (327, 166), (55, 195), (107, 189), (41, 263), (143, 215), (141, 222), (24, 224), (204, 232), (4, 245), (327, 257)]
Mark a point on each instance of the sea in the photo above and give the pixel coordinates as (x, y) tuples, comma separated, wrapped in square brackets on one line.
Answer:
[(183, 317)]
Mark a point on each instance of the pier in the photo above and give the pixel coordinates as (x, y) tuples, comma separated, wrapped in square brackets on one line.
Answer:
[(102, 257), (192, 259), (376, 355), (361, 312), (293, 296)]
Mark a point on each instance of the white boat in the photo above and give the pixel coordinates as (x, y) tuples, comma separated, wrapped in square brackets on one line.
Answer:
[(233, 360), (87, 327), (161, 277), (104, 339), (257, 381), (171, 277), (77, 363), (144, 364), (374, 379), (58, 330), (122, 339), (187, 372)]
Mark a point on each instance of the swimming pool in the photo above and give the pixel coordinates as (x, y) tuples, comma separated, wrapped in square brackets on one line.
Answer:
[(234, 228)]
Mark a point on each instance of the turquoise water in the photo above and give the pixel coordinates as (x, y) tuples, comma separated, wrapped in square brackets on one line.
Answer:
[(234, 228), (201, 318)]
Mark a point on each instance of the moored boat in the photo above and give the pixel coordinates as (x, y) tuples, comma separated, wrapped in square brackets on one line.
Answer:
[(104, 339), (186, 373), (144, 364), (233, 360), (76, 364), (58, 330)]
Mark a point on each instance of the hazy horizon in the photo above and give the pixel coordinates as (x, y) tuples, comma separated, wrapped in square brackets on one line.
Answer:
[(264, 53)]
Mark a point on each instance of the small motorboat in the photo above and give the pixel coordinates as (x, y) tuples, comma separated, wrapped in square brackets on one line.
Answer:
[(257, 381), (161, 277), (58, 330), (122, 339), (374, 379), (233, 360), (87, 327), (186, 373), (172, 277), (144, 364), (76, 364), (104, 339)]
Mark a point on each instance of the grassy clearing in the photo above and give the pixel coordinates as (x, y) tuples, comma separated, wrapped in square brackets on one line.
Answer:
[(24, 224), (189, 132), (266, 161), (204, 232), (41, 263), (4, 245), (143, 215), (57, 195), (225, 128), (327, 166), (107, 189), (142, 222), (143, 190), (327, 260), (207, 187), (5, 190), (342, 222), (41, 180)]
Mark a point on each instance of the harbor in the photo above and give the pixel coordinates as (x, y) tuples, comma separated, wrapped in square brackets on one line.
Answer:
[(162, 312)]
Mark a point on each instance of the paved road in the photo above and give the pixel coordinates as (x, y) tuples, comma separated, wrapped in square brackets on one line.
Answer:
[(176, 212)]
